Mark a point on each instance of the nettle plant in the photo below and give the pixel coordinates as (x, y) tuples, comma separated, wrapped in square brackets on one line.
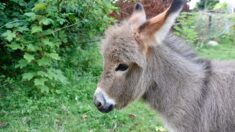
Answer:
[(36, 35)]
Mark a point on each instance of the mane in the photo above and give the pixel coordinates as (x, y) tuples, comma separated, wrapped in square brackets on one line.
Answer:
[(184, 49)]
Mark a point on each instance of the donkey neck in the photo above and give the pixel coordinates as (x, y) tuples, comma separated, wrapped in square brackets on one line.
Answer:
[(174, 75)]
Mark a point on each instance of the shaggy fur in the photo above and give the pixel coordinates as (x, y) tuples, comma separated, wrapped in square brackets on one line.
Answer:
[(191, 94)]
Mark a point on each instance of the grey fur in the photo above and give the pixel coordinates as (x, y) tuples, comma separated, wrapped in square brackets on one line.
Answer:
[(191, 94)]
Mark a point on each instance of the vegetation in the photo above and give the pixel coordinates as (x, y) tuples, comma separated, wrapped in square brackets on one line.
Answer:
[(50, 66), (186, 27), (207, 4), (38, 38), (224, 51), (73, 109)]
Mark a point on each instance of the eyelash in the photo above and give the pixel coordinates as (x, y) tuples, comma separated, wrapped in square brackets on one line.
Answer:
[(122, 67)]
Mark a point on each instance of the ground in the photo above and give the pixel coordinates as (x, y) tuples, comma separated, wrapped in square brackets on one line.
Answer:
[(74, 109)]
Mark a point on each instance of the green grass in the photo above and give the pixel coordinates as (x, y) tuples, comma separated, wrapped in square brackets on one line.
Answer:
[(225, 50), (72, 109)]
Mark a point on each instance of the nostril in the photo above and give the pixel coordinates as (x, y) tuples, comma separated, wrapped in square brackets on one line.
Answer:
[(99, 100), (99, 104), (110, 107)]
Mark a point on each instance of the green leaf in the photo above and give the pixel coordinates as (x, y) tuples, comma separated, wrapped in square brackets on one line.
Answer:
[(60, 76), (57, 75), (48, 43), (15, 46), (36, 29), (8, 35), (40, 81), (31, 15), (54, 56), (51, 74), (43, 88), (9, 25), (22, 29), (61, 20), (31, 47), (46, 21), (45, 61), (39, 6), (42, 74), (63, 36), (28, 57), (21, 64), (28, 76)]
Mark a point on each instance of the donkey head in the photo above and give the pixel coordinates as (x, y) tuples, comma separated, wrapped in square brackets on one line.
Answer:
[(126, 49)]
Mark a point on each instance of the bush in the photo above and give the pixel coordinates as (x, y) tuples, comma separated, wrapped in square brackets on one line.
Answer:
[(38, 36), (186, 27), (201, 27), (207, 4)]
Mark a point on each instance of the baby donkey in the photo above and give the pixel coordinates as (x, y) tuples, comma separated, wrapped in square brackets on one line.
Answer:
[(143, 60)]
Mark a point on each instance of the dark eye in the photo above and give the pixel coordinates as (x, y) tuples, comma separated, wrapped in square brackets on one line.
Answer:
[(121, 67)]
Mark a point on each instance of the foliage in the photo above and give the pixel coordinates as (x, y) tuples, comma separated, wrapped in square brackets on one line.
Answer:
[(201, 27), (213, 26), (186, 27), (233, 28), (38, 36), (72, 109), (224, 51), (207, 4), (221, 6)]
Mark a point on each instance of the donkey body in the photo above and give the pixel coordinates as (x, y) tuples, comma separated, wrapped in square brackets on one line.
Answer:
[(192, 94), (142, 60)]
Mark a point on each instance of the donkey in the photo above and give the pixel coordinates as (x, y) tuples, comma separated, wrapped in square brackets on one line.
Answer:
[(142, 59)]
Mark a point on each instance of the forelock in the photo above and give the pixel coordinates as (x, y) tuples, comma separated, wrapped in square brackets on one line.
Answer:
[(116, 36), (119, 43)]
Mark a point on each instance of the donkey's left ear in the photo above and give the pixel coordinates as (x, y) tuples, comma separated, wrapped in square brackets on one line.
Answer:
[(138, 16), (160, 25)]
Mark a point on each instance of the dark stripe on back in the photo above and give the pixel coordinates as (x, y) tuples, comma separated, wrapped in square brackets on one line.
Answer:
[(183, 49), (204, 89)]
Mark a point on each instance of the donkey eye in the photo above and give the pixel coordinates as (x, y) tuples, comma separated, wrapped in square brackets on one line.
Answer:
[(121, 67)]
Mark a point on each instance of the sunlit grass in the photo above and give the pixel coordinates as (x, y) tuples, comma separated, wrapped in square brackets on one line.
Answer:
[(225, 50)]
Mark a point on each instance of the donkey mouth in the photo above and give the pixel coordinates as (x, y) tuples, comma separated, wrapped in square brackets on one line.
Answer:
[(102, 104), (106, 109)]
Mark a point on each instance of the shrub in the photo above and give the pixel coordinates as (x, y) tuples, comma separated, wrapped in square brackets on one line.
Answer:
[(186, 27), (37, 35), (201, 27), (207, 4)]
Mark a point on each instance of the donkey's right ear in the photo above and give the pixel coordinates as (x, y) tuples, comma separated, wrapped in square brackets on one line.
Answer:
[(159, 26), (138, 16)]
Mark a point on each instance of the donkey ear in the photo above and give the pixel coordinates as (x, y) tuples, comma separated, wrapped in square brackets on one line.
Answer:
[(160, 25), (138, 16)]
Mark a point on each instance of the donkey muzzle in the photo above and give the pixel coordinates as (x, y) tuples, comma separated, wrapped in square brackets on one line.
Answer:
[(102, 103)]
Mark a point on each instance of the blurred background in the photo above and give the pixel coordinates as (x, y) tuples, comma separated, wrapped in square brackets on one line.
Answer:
[(50, 62)]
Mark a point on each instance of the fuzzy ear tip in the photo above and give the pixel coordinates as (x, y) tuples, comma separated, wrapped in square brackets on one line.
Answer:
[(177, 5), (138, 6)]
